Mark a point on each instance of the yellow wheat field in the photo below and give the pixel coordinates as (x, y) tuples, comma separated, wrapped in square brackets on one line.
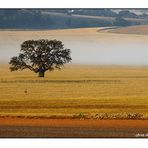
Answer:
[(75, 90)]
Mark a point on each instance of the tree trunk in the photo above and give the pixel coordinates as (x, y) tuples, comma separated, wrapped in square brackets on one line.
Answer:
[(41, 74)]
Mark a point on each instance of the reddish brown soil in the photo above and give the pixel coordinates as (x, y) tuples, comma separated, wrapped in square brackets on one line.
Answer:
[(24, 127), (71, 122)]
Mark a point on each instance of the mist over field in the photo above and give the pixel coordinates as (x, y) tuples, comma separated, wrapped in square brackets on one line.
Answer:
[(88, 46)]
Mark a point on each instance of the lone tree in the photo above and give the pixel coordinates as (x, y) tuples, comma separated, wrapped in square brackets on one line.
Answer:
[(40, 56)]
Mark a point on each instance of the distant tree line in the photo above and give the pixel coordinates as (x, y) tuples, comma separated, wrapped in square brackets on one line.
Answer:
[(37, 19), (101, 12)]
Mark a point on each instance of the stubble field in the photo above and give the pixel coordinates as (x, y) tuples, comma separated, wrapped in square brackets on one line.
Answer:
[(76, 92)]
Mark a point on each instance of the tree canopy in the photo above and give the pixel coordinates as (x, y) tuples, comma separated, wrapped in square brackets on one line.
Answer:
[(40, 56)]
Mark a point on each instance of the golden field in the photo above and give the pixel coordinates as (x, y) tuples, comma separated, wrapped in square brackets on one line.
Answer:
[(75, 91), (79, 34), (138, 30)]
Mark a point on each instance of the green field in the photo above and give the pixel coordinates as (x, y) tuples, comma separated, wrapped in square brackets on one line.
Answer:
[(75, 91)]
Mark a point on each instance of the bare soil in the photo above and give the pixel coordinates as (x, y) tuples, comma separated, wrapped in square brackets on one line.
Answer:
[(72, 128)]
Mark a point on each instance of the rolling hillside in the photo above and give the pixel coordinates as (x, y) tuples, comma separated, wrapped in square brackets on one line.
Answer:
[(68, 18), (141, 30)]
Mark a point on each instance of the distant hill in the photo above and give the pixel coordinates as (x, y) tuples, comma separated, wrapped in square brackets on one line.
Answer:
[(141, 30), (69, 18)]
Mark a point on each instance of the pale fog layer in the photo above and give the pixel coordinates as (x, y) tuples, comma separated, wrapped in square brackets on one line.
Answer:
[(90, 52)]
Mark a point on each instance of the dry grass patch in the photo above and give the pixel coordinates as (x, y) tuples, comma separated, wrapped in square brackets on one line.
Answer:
[(95, 91)]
